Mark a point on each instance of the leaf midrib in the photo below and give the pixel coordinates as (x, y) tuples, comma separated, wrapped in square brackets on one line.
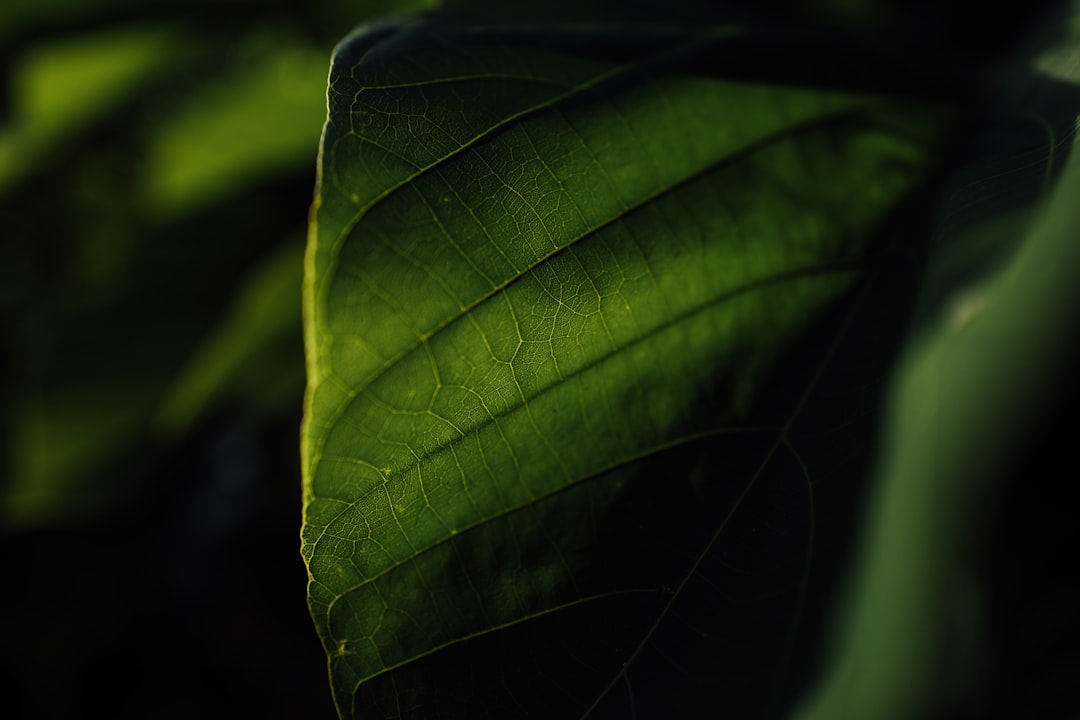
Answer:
[(317, 284), (785, 133), (681, 44), (582, 87), (827, 269), (782, 440)]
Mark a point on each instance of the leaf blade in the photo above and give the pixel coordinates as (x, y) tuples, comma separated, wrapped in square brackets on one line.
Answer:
[(540, 284)]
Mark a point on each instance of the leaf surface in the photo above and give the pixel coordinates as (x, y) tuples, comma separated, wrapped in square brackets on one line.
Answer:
[(549, 276)]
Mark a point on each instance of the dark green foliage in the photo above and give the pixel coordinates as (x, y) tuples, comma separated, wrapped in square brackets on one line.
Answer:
[(702, 516)]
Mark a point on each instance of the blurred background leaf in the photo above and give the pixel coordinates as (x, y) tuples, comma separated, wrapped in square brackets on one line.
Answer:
[(955, 604), (157, 162), (149, 159)]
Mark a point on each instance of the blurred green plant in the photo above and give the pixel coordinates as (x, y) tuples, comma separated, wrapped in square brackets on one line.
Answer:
[(137, 142)]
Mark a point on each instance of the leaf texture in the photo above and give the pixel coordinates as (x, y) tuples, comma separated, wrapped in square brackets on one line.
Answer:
[(550, 277)]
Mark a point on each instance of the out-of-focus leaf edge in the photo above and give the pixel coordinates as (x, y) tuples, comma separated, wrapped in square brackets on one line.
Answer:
[(971, 390)]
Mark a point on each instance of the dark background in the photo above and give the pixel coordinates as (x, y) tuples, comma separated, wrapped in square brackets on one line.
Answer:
[(150, 501)]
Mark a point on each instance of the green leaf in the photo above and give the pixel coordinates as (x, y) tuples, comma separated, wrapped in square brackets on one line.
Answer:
[(270, 98), (59, 88), (550, 276), (241, 357), (981, 378), (985, 376)]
